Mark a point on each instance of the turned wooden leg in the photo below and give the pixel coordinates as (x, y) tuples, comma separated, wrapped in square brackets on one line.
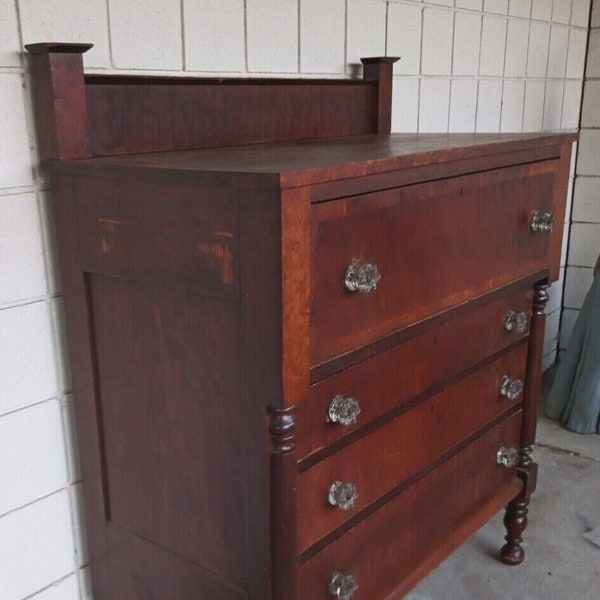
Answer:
[(515, 518)]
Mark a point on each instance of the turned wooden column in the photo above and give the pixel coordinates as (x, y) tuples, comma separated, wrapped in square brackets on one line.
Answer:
[(515, 518), (284, 555)]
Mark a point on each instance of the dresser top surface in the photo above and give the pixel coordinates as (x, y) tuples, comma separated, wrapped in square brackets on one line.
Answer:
[(292, 164)]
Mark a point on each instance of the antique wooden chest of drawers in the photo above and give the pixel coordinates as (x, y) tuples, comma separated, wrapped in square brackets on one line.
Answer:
[(305, 352)]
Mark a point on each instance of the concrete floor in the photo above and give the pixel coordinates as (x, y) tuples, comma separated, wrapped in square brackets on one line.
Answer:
[(561, 542)]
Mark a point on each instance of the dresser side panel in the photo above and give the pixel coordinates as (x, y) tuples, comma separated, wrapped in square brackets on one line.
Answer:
[(173, 450)]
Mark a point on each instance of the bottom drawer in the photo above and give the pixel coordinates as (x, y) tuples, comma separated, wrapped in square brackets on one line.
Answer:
[(388, 546)]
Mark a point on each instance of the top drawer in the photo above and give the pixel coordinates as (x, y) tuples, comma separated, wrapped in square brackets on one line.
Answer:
[(435, 245)]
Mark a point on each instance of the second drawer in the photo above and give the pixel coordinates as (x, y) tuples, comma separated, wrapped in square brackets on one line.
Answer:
[(377, 463)]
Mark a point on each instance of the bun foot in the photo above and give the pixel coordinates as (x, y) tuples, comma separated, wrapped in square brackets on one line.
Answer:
[(512, 554)]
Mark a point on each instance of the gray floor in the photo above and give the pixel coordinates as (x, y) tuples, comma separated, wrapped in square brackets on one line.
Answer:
[(561, 542)]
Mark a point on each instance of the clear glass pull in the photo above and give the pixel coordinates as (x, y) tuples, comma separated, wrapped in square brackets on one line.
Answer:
[(362, 276), (516, 321), (342, 586), (542, 222), (343, 410), (342, 495), (511, 388), (507, 457)]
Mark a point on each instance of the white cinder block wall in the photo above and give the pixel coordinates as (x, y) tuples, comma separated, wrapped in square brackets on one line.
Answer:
[(585, 227), (467, 65)]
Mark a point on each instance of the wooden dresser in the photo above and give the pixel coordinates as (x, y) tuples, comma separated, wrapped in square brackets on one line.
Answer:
[(305, 352)]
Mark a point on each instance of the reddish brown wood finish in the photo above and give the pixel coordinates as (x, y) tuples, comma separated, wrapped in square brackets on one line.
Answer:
[(383, 549), (409, 371), (203, 294), (515, 519), (59, 98), (404, 446), (417, 235), (381, 70)]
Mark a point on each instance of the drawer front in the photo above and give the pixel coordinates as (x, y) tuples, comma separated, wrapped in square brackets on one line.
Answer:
[(388, 380), (377, 463), (386, 547), (435, 245)]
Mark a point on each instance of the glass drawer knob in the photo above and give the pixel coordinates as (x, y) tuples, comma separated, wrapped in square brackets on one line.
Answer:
[(516, 321), (507, 457), (362, 276), (342, 586), (342, 495), (541, 221), (343, 410), (511, 388)]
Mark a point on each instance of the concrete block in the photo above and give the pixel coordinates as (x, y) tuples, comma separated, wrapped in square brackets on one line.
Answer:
[(564, 247), (434, 105), (548, 360), (214, 35), (584, 244), (533, 112), (441, 2), (576, 54), (537, 56), (561, 11), (31, 442), (70, 435), (499, 7), (571, 104), (595, 18), (322, 36), (592, 68), (553, 105), (555, 291), (146, 35), (586, 203), (493, 40), (438, 27), (16, 164), (588, 159), (552, 332), (467, 37), (72, 21), (541, 10), (366, 30), (580, 13), (41, 546), (79, 532), (489, 105), (470, 4), (517, 39), (590, 115), (513, 98), (65, 589), (520, 8), (22, 269), (404, 37), (463, 105), (27, 368), (557, 52), (405, 105), (578, 283), (10, 44)]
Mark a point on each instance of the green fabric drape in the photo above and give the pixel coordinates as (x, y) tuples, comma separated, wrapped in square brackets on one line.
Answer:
[(575, 394)]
